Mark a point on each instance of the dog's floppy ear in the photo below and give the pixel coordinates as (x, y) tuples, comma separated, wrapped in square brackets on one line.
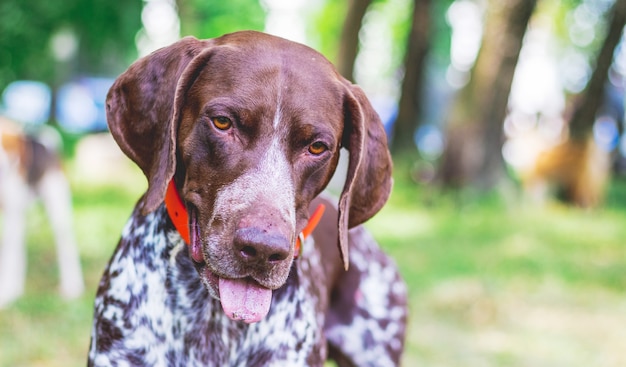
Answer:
[(143, 110), (368, 182)]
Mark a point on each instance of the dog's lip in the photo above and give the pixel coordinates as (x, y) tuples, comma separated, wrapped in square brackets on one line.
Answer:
[(211, 280), (195, 245)]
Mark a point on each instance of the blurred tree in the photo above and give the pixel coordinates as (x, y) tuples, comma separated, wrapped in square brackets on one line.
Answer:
[(327, 27), (417, 49), (106, 33), (579, 168), (213, 18), (349, 44), (590, 100), (102, 33), (473, 152)]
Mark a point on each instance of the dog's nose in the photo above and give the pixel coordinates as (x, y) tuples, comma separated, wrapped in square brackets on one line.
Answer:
[(256, 245)]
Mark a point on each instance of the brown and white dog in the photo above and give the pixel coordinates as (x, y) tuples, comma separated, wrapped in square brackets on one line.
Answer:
[(28, 169), (247, 129)]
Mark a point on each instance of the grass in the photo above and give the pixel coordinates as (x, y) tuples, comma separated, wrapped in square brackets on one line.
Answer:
[(492, 282), (41, 329), (501, 283)]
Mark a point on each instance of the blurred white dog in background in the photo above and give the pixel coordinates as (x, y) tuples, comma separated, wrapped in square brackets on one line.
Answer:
[(30, 168)]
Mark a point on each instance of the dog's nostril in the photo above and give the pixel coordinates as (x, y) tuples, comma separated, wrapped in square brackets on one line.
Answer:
[(276, 258), (248, 251)]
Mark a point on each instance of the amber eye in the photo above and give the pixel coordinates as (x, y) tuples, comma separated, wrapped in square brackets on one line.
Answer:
[(221, 122), (317, 148)]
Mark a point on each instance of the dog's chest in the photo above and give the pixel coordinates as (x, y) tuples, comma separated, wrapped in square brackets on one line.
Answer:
[(153, 308)]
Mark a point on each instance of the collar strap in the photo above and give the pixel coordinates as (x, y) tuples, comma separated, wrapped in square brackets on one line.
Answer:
[(308, 229), (179, 217), (177, 211)]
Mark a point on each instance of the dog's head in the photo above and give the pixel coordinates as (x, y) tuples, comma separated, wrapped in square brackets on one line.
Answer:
[(250, 127)]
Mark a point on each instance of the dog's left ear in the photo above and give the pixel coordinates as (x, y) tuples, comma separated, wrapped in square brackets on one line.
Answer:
[(368, 182)]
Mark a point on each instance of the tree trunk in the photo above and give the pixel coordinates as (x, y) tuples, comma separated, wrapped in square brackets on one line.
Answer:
[(583, 118), (473, 153), (349, 45), (579, 167), (409, 106)]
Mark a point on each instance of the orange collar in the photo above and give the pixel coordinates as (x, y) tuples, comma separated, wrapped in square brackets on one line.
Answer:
[(178, 214)]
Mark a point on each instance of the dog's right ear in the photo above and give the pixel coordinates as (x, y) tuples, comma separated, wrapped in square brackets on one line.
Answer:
[(143, 111)]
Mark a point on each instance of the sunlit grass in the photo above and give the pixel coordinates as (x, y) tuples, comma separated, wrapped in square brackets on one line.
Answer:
[(492, 282), (42, 329), (504, 283)]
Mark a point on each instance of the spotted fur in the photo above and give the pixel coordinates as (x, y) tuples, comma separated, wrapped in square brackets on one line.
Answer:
[(153, 310)]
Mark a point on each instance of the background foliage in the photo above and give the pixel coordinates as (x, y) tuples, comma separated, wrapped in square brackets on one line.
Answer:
[(106, 35), (208, 19)]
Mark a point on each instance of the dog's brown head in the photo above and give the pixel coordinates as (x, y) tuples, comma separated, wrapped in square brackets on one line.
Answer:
[(250, 127)]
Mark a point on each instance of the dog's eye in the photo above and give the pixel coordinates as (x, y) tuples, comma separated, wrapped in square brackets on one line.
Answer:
[(317, 148), (221, 122)]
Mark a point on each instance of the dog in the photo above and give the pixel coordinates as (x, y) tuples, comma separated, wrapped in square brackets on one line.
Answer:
[(31, 168), (549, 163), (578, 172), (237, 137)]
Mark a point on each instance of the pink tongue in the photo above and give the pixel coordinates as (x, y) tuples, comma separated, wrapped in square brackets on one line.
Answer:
[(244, 299)]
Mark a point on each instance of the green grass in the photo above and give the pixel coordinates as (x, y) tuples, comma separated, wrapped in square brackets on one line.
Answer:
[(42, 329), (498, 282), (492, 282)]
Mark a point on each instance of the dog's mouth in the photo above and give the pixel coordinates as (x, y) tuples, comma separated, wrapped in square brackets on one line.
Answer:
[(242, 299)]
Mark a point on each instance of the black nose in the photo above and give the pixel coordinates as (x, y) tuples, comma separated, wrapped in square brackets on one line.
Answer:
[(256, 245)]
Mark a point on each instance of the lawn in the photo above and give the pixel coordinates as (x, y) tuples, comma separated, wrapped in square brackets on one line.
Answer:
[(493, 282)]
